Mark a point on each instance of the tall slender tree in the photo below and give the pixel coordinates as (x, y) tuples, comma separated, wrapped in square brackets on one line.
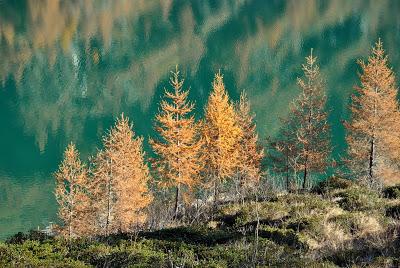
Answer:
[(222, 134), (72, 194), (178, 149), (251, 153), (313, 147), (374, 129), (120, 177)]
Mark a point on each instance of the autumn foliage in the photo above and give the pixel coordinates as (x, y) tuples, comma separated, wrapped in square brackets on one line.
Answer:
[(222, 135), (251, 152), (178, 160), (120, 178), (303, 147), (312, 132), (373, 133), (200, 160), (72, 194)]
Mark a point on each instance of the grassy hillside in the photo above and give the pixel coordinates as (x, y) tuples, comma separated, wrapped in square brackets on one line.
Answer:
[(339, 224)]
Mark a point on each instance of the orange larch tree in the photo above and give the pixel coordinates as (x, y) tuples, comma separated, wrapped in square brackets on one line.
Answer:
[(178, 158), (120, 177), (251, 152), (313, 147), (374, 128), (222, 135), (72, 194)]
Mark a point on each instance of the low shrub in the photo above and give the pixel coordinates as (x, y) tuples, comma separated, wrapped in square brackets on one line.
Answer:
[(283, 236), (124, 255), (35, 254), (194, 235), (392, 192), (20, 237), (332, 183), (380, 262), (393, 211), (234, 216), (358, 198)]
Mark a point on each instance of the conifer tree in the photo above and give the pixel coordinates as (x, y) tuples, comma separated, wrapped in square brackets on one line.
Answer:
[(312, 132), (282, 152), (120, 177), (178, 149), (250, 151), (222, 135), (72, 194), (373, 131)]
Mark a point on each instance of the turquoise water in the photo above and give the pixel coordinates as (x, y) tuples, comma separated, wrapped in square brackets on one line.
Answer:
[(67, 68)]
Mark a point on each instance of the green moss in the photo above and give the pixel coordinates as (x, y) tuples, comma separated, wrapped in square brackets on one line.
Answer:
[(358, 198)]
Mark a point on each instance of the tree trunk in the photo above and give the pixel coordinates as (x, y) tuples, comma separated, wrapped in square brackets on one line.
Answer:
[(177, 201), (71, 209), (306, 159), (108, 207), (215, 197), (70, 220), (371, 161), (239, 188), (372, 149), (70, 227), (287, 173), (305, 175), (256, 231)]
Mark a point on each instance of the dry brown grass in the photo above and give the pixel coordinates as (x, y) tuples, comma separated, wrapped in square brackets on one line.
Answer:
[(367, 225)]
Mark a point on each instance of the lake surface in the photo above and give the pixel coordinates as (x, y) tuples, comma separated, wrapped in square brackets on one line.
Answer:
[(68, 68)]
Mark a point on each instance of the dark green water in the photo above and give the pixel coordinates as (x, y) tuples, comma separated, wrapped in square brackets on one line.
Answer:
[(67, 68)]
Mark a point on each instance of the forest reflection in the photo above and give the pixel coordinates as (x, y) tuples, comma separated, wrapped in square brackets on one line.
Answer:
[(71, 61)]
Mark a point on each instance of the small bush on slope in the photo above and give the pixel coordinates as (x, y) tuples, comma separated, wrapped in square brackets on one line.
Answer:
[(332, 183), (357, 198), (392, 192)]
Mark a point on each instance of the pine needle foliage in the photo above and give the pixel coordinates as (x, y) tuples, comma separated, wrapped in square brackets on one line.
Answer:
[(313, 147), (178, 159), (222, 135), (72, 194), (251, 152), (120, 178), (374, 128)]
